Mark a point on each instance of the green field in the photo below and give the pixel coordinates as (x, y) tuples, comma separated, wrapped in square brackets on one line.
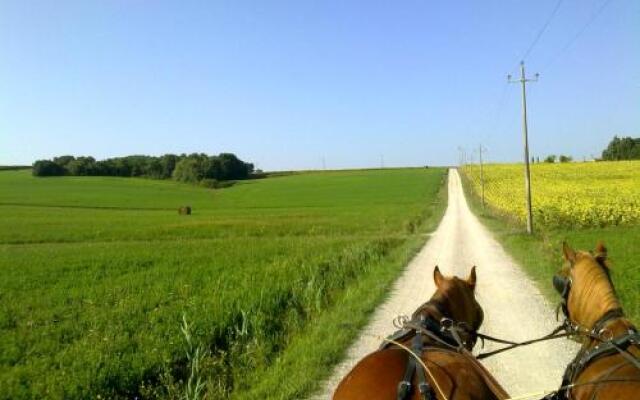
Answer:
[(541, 253), (276, 276)]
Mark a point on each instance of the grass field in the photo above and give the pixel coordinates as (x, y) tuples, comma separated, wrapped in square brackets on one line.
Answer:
[(275, 277), (566, 190)]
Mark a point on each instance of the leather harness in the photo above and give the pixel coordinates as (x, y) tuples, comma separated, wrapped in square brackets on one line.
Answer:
[(414, 368), (616, 345)]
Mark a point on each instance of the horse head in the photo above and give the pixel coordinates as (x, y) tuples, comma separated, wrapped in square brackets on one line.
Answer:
[(585, 285), (454, 299)]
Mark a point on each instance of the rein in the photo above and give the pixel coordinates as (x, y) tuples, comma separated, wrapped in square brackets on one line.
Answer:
[(454, 328), (555, 334)]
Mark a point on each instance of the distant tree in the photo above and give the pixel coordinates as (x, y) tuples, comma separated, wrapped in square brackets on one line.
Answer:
[(565, 159), (81, 166), (188, 170), (154, 168), (63, 161), (47, 168), (104, 168), (550, 159), (626, 148), (233, 168), (139, 165), (121, 167), (168, 164), (185, 168)]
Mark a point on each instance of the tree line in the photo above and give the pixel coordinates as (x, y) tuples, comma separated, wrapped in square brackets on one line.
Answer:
[(626, 148), (193, 168)]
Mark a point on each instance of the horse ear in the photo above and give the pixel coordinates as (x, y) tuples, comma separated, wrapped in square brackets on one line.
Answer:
[(437, 276), (569, 253), (601, 253), (471, 280)]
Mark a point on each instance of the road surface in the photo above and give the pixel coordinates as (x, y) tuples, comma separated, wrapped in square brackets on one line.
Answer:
[(514, 307)]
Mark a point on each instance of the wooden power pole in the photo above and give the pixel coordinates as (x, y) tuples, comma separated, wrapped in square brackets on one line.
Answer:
[(527, 173)]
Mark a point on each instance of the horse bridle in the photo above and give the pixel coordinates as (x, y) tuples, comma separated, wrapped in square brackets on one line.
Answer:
[(608, 346), (562, 284), (445, 333)]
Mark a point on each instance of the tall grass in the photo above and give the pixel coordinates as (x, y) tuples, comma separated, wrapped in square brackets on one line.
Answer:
[(97, 274)]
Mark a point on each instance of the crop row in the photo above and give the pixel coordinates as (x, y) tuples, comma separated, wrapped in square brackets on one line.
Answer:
[(590, 194)]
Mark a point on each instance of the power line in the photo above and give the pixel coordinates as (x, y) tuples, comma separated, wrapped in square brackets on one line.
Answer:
[(541, 31), (498, 114), (571, 41)]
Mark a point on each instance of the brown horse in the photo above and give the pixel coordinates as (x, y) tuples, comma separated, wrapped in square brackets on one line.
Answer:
[(599, 371), (453, 373)]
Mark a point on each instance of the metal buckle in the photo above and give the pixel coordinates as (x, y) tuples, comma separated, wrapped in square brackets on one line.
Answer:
[(605, 335), (404, 388), (446, 323)]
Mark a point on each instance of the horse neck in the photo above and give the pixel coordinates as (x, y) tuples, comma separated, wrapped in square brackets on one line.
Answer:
[(592, 294)]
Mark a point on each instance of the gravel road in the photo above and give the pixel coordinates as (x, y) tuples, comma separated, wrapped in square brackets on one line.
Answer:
[(514, 307)]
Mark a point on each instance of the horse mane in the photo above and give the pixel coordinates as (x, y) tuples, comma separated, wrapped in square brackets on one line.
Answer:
[(595, 293)]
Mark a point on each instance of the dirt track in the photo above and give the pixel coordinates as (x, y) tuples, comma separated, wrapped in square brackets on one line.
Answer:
[(514, 307)]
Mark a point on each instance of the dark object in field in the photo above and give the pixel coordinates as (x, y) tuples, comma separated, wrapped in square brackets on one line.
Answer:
[(186, 210)]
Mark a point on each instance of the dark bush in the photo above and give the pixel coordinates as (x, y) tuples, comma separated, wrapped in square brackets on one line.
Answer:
[(185, 210), (225, 184), (47, 168), (565, 159), (209, 183)]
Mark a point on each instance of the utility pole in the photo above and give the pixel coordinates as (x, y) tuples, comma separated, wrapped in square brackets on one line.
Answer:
[(481, 175), (463, 156), (382, 161), (527, 173), (324, 164)]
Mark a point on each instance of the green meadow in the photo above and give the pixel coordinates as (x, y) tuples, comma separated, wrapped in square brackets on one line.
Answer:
[(273, 276)]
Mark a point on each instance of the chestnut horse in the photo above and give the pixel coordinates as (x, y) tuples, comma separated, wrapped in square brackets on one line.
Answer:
[(452, 372), (607, 365)]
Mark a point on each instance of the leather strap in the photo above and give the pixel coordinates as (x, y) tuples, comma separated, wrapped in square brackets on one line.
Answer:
[(405, 385), (616, 345), (608, 316), (423, 384)]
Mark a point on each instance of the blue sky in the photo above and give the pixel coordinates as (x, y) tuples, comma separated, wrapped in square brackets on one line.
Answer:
[(286, 83)]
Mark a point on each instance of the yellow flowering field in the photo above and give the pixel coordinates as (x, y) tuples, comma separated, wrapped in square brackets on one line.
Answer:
[(571, 194)]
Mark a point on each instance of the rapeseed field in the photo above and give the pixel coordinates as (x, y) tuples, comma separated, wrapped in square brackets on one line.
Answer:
[(587, 194)]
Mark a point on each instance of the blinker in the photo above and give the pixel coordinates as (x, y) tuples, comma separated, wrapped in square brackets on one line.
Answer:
[(562, 285)]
